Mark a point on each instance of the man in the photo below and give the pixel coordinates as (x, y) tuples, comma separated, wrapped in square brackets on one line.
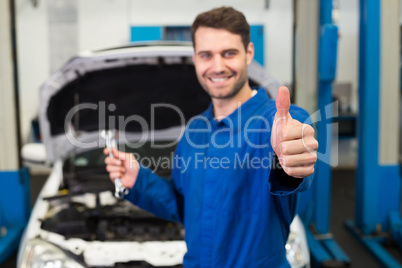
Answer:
[(236, 205)]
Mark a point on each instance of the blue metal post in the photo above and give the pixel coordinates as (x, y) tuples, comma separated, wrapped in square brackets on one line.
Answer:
[(326, 69), (324, 249), (378, 187), (368, 118), (15, 207)]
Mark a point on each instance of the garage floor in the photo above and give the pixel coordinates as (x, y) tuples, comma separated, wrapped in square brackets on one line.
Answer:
[(343, 196), (342, 207)]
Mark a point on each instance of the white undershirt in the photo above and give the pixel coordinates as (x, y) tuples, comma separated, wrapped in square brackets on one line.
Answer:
[(253, 93)]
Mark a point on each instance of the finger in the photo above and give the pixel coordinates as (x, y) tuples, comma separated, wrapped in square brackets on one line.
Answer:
[(298, 146), (282, 116), (299, 172), (132, 162), (117, 154), (290, 132), (113, 161), (114, 175), (297, 131), (299, 160), (283, 102), (111, 168), (292, 147)]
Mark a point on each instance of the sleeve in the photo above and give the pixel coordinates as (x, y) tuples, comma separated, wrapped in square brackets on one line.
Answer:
[(159, 196), (281, 183)]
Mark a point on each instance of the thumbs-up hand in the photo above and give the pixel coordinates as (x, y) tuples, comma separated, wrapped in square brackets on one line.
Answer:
[(292, 141)]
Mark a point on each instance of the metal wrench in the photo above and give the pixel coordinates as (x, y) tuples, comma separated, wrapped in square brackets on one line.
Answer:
[(119, 191)]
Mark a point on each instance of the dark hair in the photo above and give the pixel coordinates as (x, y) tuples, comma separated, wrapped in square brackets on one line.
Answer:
[(226, 18)]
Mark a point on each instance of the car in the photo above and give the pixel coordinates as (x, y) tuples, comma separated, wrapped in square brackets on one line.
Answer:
[(145, 93)]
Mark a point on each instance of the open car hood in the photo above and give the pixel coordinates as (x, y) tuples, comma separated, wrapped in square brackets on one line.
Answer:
[(144, 91)]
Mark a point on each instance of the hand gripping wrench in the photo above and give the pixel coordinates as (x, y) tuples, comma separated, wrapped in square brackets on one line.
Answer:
[(119, 191)]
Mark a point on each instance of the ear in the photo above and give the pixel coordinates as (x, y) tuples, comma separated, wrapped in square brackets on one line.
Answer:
[(250, 53)]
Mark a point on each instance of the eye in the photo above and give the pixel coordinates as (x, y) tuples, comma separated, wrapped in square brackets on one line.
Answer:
[(205, 56), (229, 53)]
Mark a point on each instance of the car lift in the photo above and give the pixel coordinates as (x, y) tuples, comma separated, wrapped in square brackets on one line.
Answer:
[(378, 184), (324, 250), (15, 208), (378, 187)]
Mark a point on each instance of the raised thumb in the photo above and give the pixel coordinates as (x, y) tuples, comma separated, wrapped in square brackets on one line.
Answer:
[(282, 102)]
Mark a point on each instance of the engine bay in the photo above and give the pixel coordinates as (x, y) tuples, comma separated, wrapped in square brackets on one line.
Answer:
[(85, 208)]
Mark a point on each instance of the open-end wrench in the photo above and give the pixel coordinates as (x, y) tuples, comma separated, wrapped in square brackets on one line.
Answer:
[(119, 191)]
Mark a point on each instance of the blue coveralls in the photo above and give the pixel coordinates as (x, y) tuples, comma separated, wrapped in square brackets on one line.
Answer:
[(236, 208)]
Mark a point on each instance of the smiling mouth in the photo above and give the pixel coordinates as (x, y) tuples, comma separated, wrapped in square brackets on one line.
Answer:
[(219, 79)]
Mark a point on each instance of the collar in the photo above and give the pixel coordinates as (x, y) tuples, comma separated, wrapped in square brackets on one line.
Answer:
[(239, 116)]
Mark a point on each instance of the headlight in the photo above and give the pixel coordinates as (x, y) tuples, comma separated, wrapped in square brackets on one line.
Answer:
[(297, 251), (294, 252), (41, 254)]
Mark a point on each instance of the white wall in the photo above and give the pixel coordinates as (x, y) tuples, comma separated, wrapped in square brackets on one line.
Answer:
[(103, 23), (277, 21), (347, 65), (107, 22), (33, 58), (8, 139)]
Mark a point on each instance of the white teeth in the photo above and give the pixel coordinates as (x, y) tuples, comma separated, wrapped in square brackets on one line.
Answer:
[(220, 79)]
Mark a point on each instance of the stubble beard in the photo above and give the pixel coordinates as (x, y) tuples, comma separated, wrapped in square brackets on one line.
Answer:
[(237, 87)]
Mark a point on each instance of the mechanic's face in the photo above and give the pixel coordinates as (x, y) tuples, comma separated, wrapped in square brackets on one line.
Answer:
[(221, 62)]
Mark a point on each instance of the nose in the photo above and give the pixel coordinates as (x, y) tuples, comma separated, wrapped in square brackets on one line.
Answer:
[(218, 64)]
